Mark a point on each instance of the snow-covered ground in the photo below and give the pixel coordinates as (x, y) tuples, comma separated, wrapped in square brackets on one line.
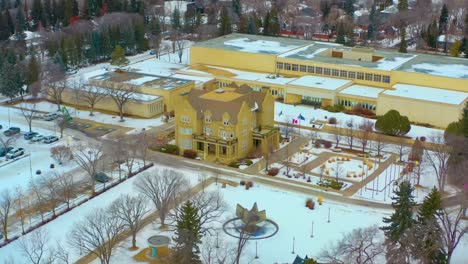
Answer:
[(346, 168), (286, 113), (296, 224), (137, 123), (59, 229)]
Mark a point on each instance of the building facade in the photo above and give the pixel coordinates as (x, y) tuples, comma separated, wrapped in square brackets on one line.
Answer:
[(303, 71), (227, 123)]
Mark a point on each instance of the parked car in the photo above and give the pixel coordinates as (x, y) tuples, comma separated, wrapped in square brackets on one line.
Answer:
[(37, 138), (15, 153), (152, 52), (11, 131), (4, 151), (1, 126), (101, 177), (50, 139), (50, 116), (30, 135)]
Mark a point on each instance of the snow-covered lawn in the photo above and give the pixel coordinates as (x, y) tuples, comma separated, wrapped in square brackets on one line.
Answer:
[(302, 157), (286, 113), (295, 224), (254, 162), (59, 229), (137, 123)]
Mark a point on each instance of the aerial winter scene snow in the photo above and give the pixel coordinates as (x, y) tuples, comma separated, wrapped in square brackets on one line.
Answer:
[(233, 131)]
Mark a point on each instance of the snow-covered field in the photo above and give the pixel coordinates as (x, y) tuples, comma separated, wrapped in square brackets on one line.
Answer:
[(346, 168), (137, 123), (59, 229), (286, 113)]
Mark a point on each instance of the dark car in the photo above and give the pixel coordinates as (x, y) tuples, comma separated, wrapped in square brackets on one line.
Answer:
[(11, 131), (30, 135), (4, 151), (101, 177)]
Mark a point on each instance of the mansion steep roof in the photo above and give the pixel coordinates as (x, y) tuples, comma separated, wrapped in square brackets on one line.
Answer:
[(226, 100)]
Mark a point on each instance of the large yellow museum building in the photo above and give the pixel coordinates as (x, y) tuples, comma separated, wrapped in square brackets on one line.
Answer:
[(426, 88)]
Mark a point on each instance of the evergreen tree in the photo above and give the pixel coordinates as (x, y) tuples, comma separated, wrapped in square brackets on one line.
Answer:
[(141, 41), (4, 32), (398, 231), (403, 5), (403, 44), (236, 7), (372, 27), (443, 19), (349, 7), (243, 24), (252, 27), (190, 18), (37, 12), (226, 27), (274, 22), (427, 233), (118, 57), (75, 8), (67, 12), (85, 11), (431, 35), (340, 34), (175, 20), (443, 25), (10, 24), (392, 123), (187, 235), (266, 24), (32, 74), (20, 25)]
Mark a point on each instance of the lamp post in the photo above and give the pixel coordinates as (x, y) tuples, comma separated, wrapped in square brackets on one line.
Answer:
[(312, 232), (294, 240), (328, 215), (256, 249)]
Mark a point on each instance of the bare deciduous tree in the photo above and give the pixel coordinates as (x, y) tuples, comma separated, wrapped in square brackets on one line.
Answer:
[(6, 203), (379, 144), (454, 228), (360, 246), (67, 188), (365, 133), (337, 135), (49, 190), (438, 159), (97, 234), (131, 211), (350, 132), (88, 156), (21, 203), (8, 142), (121, 95), (35, 247), (163, 188), (217, 251), (29, 112), (90, 95), (210, 207), (53, 83)]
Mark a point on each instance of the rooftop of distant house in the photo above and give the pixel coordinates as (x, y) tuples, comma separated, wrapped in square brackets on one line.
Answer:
[(140, 79), (333, 53)]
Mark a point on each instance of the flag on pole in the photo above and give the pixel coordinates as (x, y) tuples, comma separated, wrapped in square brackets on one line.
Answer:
[(280, 113), (301, 117), (295, 121)]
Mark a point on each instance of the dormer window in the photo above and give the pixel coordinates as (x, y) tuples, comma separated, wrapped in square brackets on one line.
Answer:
[(207, 119), (226, 122), (185, 119)]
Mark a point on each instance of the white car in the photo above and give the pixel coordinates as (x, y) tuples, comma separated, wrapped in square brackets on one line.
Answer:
[(15, 153), (37, 138), (50, 116)]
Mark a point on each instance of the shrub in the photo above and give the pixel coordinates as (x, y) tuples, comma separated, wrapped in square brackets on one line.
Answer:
[(234, 164), (327, 144), (190, 153), (308, 179), (332, 120), (248, 162), (310, 204), (249, 184), (332, 184), (273, 171), (334, 108), (242, 183), (392, 123), (422, 139), (61, 154)]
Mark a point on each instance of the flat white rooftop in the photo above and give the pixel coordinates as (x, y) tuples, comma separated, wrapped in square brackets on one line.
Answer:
[(362, 90), (196, 79), (318, 82), (427, 94)]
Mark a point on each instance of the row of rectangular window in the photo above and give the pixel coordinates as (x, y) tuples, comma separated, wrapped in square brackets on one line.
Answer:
[(352, 104), (334, 72)]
